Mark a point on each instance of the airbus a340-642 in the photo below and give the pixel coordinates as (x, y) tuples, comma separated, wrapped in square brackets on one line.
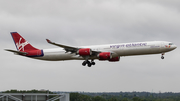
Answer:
[(109, 52)]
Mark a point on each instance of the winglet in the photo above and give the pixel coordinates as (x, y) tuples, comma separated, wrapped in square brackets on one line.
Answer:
[(48, 41)]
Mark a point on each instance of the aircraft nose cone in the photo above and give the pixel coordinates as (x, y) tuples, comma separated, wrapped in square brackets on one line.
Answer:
[(174, 47)]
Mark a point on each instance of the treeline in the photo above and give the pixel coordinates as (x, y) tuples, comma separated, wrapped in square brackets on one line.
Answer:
[(106, 97), (134, 94)]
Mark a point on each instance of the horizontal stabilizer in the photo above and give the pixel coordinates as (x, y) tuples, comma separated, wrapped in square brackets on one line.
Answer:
[(17, 52)]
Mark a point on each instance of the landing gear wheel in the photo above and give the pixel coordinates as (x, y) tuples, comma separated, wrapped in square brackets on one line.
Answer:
[(93, 63), (84, 63), (162, 57), (89, 64)]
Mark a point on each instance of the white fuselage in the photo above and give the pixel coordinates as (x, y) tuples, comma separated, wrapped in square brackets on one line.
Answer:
[(121, 49)]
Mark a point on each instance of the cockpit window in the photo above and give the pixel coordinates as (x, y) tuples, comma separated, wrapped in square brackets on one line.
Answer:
[(170, 43)]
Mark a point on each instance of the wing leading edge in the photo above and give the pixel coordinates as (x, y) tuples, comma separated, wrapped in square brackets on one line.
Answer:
[(70, 48), (66, 48)]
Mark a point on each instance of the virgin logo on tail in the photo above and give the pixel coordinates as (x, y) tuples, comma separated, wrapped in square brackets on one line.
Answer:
[(20, 45)]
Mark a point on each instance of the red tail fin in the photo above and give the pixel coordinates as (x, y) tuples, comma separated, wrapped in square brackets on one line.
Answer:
[(21, 44)]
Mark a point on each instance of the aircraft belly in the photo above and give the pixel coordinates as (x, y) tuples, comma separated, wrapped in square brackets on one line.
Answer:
[(139, 51), (56, 56)]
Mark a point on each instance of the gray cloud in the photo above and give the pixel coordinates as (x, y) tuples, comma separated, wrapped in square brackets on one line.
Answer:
[(87, 22)]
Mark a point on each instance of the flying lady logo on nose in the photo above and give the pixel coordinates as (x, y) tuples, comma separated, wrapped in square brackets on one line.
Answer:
[(20, 45)]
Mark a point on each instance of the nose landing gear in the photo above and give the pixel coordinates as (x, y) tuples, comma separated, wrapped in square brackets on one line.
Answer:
[(162, 57)]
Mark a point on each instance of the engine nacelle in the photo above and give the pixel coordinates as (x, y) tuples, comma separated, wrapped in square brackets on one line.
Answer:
[(114, 59), (105, 56), (84, 52)]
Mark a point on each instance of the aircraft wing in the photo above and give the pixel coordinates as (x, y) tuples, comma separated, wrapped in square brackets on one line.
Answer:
[(17, 52), (69, 48)]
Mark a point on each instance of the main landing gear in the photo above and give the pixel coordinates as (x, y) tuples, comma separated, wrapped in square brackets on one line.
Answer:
[(162, 57), (89, 64)]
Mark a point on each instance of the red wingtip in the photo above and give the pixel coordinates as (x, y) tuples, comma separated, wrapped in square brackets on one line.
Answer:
[(48, 40)]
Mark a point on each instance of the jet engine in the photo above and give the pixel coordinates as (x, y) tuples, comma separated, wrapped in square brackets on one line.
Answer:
[(84, 52), (104, 56), (114, 59)]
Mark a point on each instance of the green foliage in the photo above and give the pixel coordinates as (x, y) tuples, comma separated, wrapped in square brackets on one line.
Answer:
[(124, 99), (113, 99), (137, 99), (98, 98), (79, 97)]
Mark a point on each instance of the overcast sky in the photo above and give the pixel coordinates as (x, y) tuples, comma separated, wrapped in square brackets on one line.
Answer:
[(90, 22)]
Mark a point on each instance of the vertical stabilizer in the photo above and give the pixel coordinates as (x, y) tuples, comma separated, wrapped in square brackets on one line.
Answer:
[(24, 47), (21, 44)]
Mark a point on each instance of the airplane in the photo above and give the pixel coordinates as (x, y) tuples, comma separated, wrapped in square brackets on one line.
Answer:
[(109, 52)]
